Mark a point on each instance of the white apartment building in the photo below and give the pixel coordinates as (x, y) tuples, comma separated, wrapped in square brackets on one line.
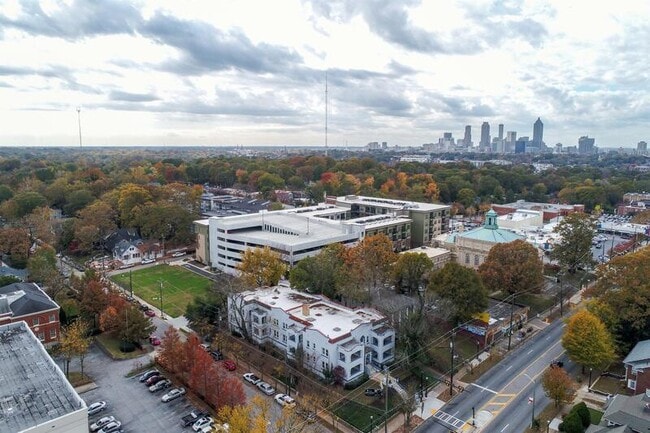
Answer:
[(323, 333)]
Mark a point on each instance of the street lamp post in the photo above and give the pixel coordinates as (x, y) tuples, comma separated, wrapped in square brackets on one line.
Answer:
[(589, 387), (532, 416), (512, 308), (451, 375), (162, 313), (371, 423)]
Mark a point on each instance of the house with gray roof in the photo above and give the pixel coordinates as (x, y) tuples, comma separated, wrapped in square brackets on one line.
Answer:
[(637, 368), (625, 414), (28, 302)]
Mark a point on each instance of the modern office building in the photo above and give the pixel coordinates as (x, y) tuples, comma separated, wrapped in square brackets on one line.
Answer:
[(485, 136), (428, 219), (511, 139), (467, 138), (27, 302), (586, 145), (500, 131), (642, 146), (321, 334), (35, 396), (538, 133)]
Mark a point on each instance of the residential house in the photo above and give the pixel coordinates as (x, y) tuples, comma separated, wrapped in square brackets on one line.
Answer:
[(27, 302), (625, 414), (321, 334), (637, 367)]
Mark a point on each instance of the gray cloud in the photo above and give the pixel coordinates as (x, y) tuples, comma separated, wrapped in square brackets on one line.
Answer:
[(205, 48), (81, 19), (117, 95)]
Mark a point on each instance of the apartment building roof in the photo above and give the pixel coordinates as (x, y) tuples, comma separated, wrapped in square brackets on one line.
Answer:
[(21, 299), (34, 389), (390, 203)]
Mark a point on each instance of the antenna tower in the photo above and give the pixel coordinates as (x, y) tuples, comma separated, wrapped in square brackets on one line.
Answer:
[(79, 120), (326, 110)]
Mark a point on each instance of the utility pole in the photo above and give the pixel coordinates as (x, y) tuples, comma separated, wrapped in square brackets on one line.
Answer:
[(512, 309), (386, 400), (162, 314), (79, 120), (451, 375)]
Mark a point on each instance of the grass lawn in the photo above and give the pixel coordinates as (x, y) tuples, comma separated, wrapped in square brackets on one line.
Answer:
[(179, 286), (111, 346), (358, 414), (76, 379), (596, 415), (609, 385)]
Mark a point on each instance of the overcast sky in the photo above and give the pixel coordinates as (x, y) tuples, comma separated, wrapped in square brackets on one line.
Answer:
[(240, 72)]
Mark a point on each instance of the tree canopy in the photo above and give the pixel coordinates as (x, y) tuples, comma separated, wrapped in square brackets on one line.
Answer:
[(261, 267), (462, 289), (512, 267), (576, 232), (587, 341)]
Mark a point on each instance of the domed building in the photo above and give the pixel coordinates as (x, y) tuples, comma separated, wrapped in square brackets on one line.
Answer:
[(471, 248)]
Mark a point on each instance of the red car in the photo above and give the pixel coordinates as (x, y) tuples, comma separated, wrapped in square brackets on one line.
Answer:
[(155, 341), (229, 365), (149, 313)]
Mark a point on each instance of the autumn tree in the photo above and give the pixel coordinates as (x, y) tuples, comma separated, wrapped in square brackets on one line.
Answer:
[(224, 390), (205, 312), (202, 373), (125, 321), (93, 223), (321, 273), (15, 242), (369, 262), (587, 341), (558, 385), (624, 297), (172, 351), (576, 233), (74, 341), (261, 267), (512, 267), (410, 271), (93, 297), (462, 289), (131, 199)]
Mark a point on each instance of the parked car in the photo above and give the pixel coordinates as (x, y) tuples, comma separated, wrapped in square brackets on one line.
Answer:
[(251, 378), (205, 346), (147, 261), (154, 379), (149, 312), (372, 392), (192, 417), (154, 340), (173, 394), (101, 423), (160, 385), (201, 423), (216, 354), (229, 365), (147, 374), (178, 254), (111, 427), (265, 388), (96, 407), (284, 400), (557, 363)]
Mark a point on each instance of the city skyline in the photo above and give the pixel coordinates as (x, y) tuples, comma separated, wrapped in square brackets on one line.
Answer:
[(253, 73)]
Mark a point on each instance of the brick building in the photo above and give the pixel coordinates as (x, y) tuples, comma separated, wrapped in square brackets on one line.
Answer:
[(637, 368), (26, 301)]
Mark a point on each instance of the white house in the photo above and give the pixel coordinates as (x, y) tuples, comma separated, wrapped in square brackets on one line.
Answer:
[(324, 334)]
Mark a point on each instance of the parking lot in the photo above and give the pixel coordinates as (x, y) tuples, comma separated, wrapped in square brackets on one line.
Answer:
[(129, 401)]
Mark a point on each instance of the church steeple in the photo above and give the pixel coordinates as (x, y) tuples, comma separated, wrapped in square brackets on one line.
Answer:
[(491, 220)]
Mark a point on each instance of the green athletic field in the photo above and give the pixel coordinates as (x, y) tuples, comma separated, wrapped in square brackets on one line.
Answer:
[(179, 286)]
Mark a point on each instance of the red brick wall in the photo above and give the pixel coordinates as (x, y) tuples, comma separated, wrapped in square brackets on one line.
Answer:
[(48, 331), (642, 380)]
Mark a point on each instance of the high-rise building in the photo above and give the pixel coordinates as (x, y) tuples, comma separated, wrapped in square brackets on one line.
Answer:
[(467, 139), (538, 133), (511, 138), (485, 135), (500, 131), (642, 146), (586, 145)]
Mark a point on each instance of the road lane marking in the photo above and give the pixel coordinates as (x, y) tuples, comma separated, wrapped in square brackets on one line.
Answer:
[(509, 368), (484, 388), (529, 352), (506, 426)]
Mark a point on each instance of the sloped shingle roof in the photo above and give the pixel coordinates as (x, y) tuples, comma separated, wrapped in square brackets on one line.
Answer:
[(33, 301)]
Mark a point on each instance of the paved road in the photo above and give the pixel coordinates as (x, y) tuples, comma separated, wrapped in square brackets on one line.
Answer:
[(498, 396)]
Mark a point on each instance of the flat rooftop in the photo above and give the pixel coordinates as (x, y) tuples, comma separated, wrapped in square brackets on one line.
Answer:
[(33, 389), (390, 203), (431, 252), (519, 215), (331, 319)]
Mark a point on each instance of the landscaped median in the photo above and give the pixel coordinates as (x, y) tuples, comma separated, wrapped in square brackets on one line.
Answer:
[(177, 286)]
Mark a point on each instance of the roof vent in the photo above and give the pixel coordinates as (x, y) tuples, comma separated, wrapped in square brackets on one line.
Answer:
[(337, 329)]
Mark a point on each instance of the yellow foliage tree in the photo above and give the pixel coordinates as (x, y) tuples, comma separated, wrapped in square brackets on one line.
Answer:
[(74, 342), (587, 341), (261, 267)]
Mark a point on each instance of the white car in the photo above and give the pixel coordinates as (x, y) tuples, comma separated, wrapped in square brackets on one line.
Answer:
[(266, 388), (96, 407), (165, 383), (251, 378), (111, 427), (101, 423), (201, 423), (147, 261), (173, 394), (284, 400), (178, 254)]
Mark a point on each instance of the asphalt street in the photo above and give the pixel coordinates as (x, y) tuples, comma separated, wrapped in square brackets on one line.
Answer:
[(500, 398)]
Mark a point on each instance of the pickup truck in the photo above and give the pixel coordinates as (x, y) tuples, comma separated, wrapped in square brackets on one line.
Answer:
[(192, 417)]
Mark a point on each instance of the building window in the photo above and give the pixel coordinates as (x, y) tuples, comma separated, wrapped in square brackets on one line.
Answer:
[(284, 326), (342, 357), (355, 370), (52, 334), (276, 334), (284, 338), (35, 321), (467, 259), (325, 352), (388, 340), (375, 342), (41, 336), (275, 322), (52, 318), (325, 365), (631, 384), (476, 260)]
